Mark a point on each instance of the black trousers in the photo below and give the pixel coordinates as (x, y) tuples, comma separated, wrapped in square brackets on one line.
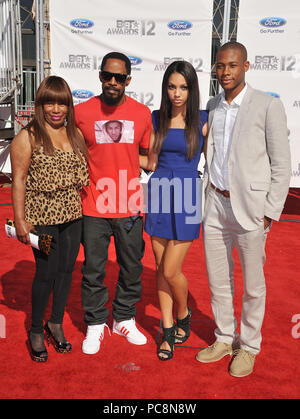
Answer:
[(129, 244), (54, 272)]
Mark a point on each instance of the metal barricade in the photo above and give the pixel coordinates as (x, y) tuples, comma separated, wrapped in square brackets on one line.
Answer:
[(10, 64), (24, 114)]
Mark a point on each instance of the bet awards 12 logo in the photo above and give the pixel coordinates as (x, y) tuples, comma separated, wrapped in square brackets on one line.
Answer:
[(132, 27)]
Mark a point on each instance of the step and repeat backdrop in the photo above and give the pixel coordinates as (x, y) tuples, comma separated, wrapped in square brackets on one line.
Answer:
[(270, 30), (153, 34)]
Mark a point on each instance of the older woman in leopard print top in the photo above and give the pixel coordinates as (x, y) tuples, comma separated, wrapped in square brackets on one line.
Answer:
[(49, 167)]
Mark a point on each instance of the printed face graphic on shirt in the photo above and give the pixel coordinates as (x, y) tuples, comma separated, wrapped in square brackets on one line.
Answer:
[(114, 131)]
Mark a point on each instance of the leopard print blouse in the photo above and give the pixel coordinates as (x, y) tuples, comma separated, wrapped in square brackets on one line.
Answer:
[(53, 187)]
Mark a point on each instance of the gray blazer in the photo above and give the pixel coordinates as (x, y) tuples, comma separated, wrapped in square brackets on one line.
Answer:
[(259, 165)]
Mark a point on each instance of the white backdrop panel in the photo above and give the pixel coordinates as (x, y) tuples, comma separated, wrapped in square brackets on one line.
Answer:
[(270, 30), (152, 34)]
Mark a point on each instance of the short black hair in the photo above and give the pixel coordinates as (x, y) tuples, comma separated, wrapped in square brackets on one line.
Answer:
[(234, 45), (118, 56)]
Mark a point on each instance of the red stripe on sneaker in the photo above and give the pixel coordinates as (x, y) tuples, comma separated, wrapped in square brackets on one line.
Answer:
[(124, 330)]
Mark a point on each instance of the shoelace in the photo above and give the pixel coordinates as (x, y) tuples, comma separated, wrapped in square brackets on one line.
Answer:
[(212, 347), (248, 356)]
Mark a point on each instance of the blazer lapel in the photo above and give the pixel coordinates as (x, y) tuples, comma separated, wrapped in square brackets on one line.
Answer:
[(210, 140), (243, 115), (212, 112)]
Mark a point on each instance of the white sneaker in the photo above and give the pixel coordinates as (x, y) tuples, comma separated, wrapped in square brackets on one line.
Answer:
[(128, 329), (93, 339)]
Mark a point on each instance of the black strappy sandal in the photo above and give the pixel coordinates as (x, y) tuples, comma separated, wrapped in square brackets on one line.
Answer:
[(185, 325), (61, 346), (169, 337)]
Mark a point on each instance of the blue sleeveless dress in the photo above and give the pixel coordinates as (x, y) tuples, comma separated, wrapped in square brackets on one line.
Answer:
[(174, 189)]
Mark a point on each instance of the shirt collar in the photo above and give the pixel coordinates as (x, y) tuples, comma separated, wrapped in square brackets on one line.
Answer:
[(238, 99)]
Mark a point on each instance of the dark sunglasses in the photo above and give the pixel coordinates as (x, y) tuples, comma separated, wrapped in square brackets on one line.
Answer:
[(119, 77)]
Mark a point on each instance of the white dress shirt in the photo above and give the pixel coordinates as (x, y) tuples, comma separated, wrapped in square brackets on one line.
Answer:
[(223, 124)]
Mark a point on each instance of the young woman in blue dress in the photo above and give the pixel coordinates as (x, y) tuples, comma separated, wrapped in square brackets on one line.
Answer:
[(175, 148)]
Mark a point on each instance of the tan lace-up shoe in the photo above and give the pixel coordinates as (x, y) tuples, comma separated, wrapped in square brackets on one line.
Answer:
[(215, 352), (242, 363)]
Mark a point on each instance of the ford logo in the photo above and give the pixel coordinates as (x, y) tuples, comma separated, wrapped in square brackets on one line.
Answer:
[(180, 25), (81, 23), (82, 94), (272, 22), (135, 60), (273, 94)]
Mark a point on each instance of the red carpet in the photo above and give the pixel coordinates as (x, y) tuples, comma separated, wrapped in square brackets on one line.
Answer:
[(124, 371)]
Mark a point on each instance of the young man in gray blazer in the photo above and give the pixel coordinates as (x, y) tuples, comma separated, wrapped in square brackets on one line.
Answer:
[(246, 183)]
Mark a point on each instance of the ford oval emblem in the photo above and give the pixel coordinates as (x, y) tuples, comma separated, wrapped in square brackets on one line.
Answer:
[(82, 94), (135, 60), (180, 25), (81, 23), (272, 22)]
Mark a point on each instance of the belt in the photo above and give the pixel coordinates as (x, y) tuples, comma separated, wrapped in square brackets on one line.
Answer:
[(224, 193)]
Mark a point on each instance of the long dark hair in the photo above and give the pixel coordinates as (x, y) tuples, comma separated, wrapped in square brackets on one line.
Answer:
[(54, 89), (192, 117)]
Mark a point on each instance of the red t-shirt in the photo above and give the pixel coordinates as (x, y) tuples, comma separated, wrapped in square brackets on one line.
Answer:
[(113, 135)]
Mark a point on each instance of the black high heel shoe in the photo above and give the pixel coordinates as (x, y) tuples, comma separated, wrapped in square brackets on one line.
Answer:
[(169, 337), (59, 346), (185, 325), (37, 356)]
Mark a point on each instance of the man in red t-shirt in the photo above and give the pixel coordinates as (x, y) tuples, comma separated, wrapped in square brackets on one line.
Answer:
[(116, 129)]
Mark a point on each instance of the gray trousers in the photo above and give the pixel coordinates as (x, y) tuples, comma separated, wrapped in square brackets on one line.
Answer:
[(222, 233), (129, 244)]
